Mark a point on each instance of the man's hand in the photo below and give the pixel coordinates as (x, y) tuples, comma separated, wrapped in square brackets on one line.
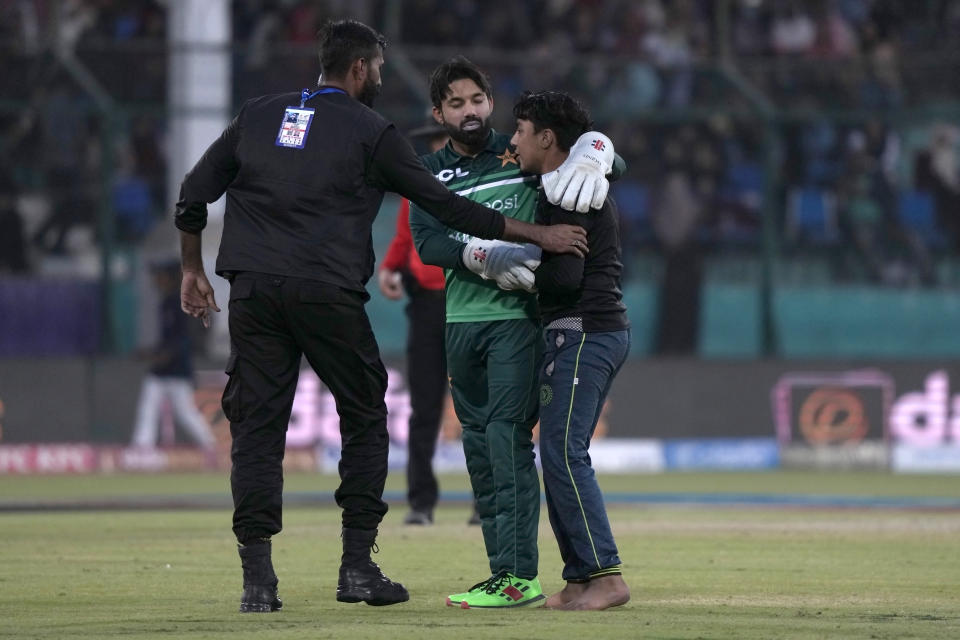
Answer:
[(391, 285), (517, 277), (580, 182), (561, 238), (196, 296), (491, 259), (556, 238)]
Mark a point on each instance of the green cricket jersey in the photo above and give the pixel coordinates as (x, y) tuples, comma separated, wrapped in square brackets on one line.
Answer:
[(493, 179)]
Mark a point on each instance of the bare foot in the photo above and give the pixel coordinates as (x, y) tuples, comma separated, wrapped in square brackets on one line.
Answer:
[(601, 593), (571, 592)]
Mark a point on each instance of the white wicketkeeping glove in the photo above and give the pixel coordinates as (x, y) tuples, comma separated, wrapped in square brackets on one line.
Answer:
[(490, 259), (517, 277), (581, 181)]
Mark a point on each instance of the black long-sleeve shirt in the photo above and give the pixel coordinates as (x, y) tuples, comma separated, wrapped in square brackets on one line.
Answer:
[(308, 212), (588, 288)]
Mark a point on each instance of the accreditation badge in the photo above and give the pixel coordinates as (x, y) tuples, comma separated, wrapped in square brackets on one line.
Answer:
[(294, 128)]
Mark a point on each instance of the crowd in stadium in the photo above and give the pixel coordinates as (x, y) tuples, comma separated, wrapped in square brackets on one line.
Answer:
[(848, 172)]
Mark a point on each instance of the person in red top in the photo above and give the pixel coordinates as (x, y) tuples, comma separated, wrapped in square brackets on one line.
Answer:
[(401, 273)]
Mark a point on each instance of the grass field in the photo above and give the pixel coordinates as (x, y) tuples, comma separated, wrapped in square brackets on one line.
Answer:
[(696, 569)]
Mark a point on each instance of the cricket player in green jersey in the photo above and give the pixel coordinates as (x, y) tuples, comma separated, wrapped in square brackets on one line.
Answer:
[(493, 332)]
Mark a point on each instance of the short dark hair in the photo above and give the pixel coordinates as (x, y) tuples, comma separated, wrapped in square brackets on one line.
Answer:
[(554, 110), (456, 68), (344, 41)]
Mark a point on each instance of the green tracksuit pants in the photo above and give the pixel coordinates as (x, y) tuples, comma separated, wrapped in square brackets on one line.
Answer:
[(493, 369)]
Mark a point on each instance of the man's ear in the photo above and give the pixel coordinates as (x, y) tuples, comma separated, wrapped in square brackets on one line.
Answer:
[(546, 138), (359, 69), (438, 115)]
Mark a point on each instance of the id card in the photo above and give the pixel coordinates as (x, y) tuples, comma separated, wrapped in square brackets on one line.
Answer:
[(295, 127)]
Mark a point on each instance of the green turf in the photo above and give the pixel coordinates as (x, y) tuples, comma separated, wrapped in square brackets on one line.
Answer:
[(15, 488), (695, 572)]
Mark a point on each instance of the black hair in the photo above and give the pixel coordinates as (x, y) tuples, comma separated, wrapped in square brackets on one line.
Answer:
[(344, 41), (456, 68), (554, 110)]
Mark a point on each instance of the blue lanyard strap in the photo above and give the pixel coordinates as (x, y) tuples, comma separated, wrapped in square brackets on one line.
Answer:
[(306, 95)]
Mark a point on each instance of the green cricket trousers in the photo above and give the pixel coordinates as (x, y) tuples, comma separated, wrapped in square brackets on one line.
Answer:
[(493, 369)]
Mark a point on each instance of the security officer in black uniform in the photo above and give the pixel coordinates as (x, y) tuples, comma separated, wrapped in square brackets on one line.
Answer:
[(304, 175)]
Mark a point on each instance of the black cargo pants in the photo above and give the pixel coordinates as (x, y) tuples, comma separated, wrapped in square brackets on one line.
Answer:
[(427, 380), (273, 321)]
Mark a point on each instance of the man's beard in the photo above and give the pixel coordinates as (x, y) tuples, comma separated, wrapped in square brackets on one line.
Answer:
[(471, 139), (369, 92)]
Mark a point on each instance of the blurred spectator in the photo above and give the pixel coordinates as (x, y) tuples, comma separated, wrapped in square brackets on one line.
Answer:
[(669, 44), (835, 38), (151, 165), (937, 172), (429, 21), (855, 12), (706, 166), (861, 214), (634, 87), (792, 32), (302, 23), (132, 200), (750, 28), (893, 253), (584, 26), (13, 251), (882, 87), (551, 59), (170, 380), (819, 150), (738, 197), (72, 144), (881, 143), (677, 214), (258, 68)]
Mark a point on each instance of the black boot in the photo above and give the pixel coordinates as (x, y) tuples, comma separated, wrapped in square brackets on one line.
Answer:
[(360, 578), (259, 580)]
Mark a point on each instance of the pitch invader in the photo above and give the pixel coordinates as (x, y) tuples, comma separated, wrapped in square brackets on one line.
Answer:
[(493, 334)]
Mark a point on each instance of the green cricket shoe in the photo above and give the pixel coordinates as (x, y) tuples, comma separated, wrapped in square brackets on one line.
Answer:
[(499, 591), (455, 599)]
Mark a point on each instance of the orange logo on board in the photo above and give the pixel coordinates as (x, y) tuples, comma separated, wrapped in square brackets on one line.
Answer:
[(831, 415)]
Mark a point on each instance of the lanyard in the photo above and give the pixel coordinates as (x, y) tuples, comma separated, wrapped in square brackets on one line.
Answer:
[(306, 95)]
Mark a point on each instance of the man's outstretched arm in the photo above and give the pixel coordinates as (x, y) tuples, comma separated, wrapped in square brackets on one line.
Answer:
[(398, 169)]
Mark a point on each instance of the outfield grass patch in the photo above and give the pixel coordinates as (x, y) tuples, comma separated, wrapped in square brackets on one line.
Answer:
[(695, 573)]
